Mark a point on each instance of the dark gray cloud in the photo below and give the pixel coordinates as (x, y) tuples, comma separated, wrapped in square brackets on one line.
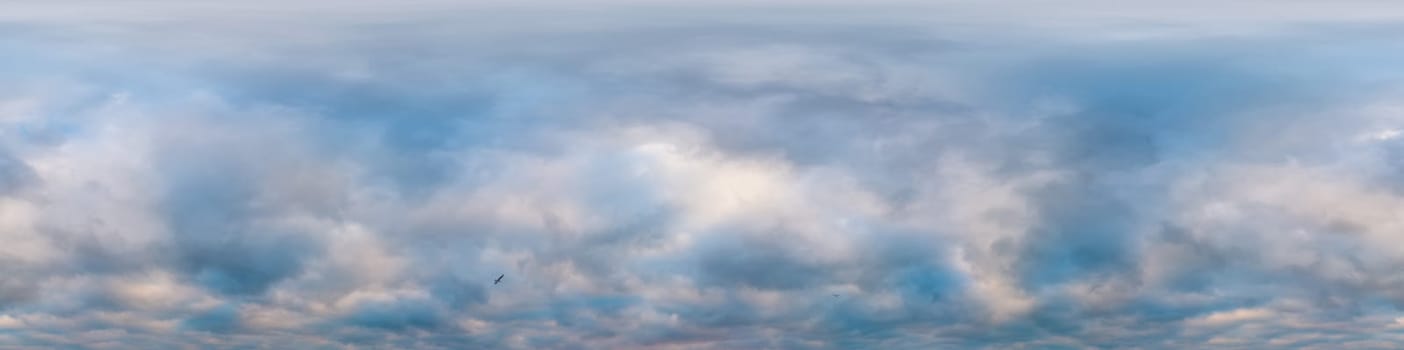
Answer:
[(14, 173)]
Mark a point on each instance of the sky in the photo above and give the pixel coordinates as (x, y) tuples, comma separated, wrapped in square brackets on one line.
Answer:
[(779, 174)]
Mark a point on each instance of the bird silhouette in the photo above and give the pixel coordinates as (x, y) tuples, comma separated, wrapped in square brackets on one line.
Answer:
[(499, 279)]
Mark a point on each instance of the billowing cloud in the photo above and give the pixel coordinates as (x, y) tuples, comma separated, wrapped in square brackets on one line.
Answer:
[(900, 176)]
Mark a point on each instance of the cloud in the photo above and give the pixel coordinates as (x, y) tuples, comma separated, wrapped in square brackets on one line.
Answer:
[(14, 173), (207, 175)]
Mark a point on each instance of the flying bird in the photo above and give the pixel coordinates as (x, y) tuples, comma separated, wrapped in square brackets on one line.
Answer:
[(835, 295), (499, 279)]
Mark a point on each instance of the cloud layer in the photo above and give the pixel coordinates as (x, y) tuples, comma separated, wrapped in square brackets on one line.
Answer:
[(903, 177)]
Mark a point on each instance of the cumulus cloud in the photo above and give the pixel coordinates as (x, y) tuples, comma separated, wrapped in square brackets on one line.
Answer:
[(903, 176)]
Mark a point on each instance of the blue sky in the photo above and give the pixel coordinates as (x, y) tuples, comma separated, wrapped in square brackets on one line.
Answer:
[(653, 175)]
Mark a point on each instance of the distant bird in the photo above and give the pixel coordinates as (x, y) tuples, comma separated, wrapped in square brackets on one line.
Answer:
[(499, 279), (835, 295)]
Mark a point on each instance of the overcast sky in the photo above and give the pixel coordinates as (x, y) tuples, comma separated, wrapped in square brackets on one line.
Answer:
[(738, 175)]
